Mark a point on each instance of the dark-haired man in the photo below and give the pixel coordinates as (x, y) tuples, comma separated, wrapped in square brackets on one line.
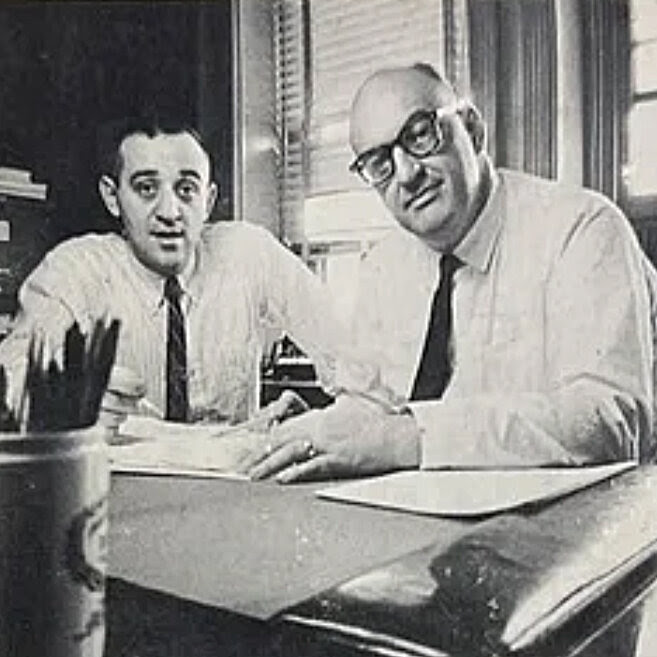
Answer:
[(194, 299), (509, 315)]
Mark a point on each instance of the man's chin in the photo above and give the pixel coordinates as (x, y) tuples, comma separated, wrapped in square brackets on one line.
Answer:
[(172, 267), (169, 265), (426, 227)]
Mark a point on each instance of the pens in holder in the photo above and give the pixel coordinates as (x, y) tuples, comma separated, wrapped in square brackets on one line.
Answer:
[(58, 398), (8, 421), (55, 480), (98, 362)]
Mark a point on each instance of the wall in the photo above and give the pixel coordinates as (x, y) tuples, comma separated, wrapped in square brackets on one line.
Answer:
[(66, 68)]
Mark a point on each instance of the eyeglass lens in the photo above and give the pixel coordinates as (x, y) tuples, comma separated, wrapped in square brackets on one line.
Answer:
[(420, 136)]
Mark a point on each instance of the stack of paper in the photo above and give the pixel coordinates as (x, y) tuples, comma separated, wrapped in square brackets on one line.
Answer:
[(152, 446)]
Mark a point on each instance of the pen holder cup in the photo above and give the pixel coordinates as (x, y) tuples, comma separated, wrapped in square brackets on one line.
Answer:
[(53, 553)]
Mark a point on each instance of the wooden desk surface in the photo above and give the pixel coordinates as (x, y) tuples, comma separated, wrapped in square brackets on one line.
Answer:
[(251, 548), (220, 556), (469, 599)]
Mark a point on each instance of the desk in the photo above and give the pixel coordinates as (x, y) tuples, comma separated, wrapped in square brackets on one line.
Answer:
[(253, 549), (197, 566), (183, 548)]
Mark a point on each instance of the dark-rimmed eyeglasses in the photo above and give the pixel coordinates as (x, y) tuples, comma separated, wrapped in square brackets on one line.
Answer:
[(422, 135)]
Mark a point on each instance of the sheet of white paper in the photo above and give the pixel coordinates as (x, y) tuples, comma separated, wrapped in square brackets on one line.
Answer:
[(144, 427), (469, 492), (151, 446)]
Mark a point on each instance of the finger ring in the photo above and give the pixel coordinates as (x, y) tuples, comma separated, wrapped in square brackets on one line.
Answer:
[(309, 449)]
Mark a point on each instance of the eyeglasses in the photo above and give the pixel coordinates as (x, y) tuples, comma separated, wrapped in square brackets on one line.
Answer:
[(421, 136)]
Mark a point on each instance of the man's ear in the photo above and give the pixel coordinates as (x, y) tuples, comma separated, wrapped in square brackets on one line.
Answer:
[(213, 192), (108, 192), (475, 125)]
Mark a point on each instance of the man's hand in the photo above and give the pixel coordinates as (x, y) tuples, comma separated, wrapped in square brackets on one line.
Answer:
[(352, 437), (286, 406)]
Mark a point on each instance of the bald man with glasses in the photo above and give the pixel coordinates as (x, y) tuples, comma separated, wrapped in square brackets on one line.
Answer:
[(511, 317)]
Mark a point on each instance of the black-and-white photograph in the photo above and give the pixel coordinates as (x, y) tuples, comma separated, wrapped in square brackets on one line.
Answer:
[(328, 328)]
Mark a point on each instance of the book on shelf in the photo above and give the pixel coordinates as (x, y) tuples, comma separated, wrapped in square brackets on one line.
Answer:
[(18, 182)]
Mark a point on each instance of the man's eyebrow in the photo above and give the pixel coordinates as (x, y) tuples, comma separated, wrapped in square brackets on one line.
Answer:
[(190, 173), (143, 173)]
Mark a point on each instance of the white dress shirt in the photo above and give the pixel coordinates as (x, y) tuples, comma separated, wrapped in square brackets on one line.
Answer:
[(242, 286), (552, 331)]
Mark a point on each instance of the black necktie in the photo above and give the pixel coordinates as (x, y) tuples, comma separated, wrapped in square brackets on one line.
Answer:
[(177, 395), (435, 368)]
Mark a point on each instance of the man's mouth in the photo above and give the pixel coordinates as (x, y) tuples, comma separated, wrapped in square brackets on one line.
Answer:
[(167, 235), (425, 197)]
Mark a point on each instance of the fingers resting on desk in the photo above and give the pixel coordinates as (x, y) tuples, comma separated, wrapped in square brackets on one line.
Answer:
[(349, 438)]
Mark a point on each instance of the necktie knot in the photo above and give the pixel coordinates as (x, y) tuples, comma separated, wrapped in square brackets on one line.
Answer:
[(172, 289), (449, 264)]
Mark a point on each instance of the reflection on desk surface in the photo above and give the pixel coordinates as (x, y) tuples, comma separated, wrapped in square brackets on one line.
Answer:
[(253, 551), (251, 548), (518, 583)]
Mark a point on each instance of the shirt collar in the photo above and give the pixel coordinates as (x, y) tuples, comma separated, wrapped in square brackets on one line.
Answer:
[(476, 248), (185, 277), (154, 282)]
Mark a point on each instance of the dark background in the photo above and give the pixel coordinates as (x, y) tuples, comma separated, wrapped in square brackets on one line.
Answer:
[(65, 68)]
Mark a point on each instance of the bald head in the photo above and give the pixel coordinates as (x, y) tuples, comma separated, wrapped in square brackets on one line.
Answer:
[(388, 97), (423, 151)]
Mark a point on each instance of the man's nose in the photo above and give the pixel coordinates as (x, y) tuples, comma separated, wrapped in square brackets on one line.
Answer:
[(168, 206), (408, 169)]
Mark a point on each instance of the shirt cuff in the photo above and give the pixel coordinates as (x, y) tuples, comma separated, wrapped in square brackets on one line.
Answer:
[(442, 440), (464, 434)]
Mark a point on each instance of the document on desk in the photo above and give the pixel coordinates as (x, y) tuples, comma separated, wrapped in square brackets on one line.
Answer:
[(469, 492), (148, 445)]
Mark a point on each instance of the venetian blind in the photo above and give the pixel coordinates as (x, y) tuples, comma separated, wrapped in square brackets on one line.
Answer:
[(290, 21), (325, 50), (348, 41)]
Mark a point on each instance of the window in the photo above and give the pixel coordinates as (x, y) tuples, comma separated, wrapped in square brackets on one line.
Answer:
[(641, 172), (324, 206), (343, 44)]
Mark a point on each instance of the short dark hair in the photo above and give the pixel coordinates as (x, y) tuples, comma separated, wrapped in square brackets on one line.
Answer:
[(112, 134)]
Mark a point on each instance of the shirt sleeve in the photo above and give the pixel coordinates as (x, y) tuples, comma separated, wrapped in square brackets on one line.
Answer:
[(46, 307), (597, 404), (360, 369), (297, 302)]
